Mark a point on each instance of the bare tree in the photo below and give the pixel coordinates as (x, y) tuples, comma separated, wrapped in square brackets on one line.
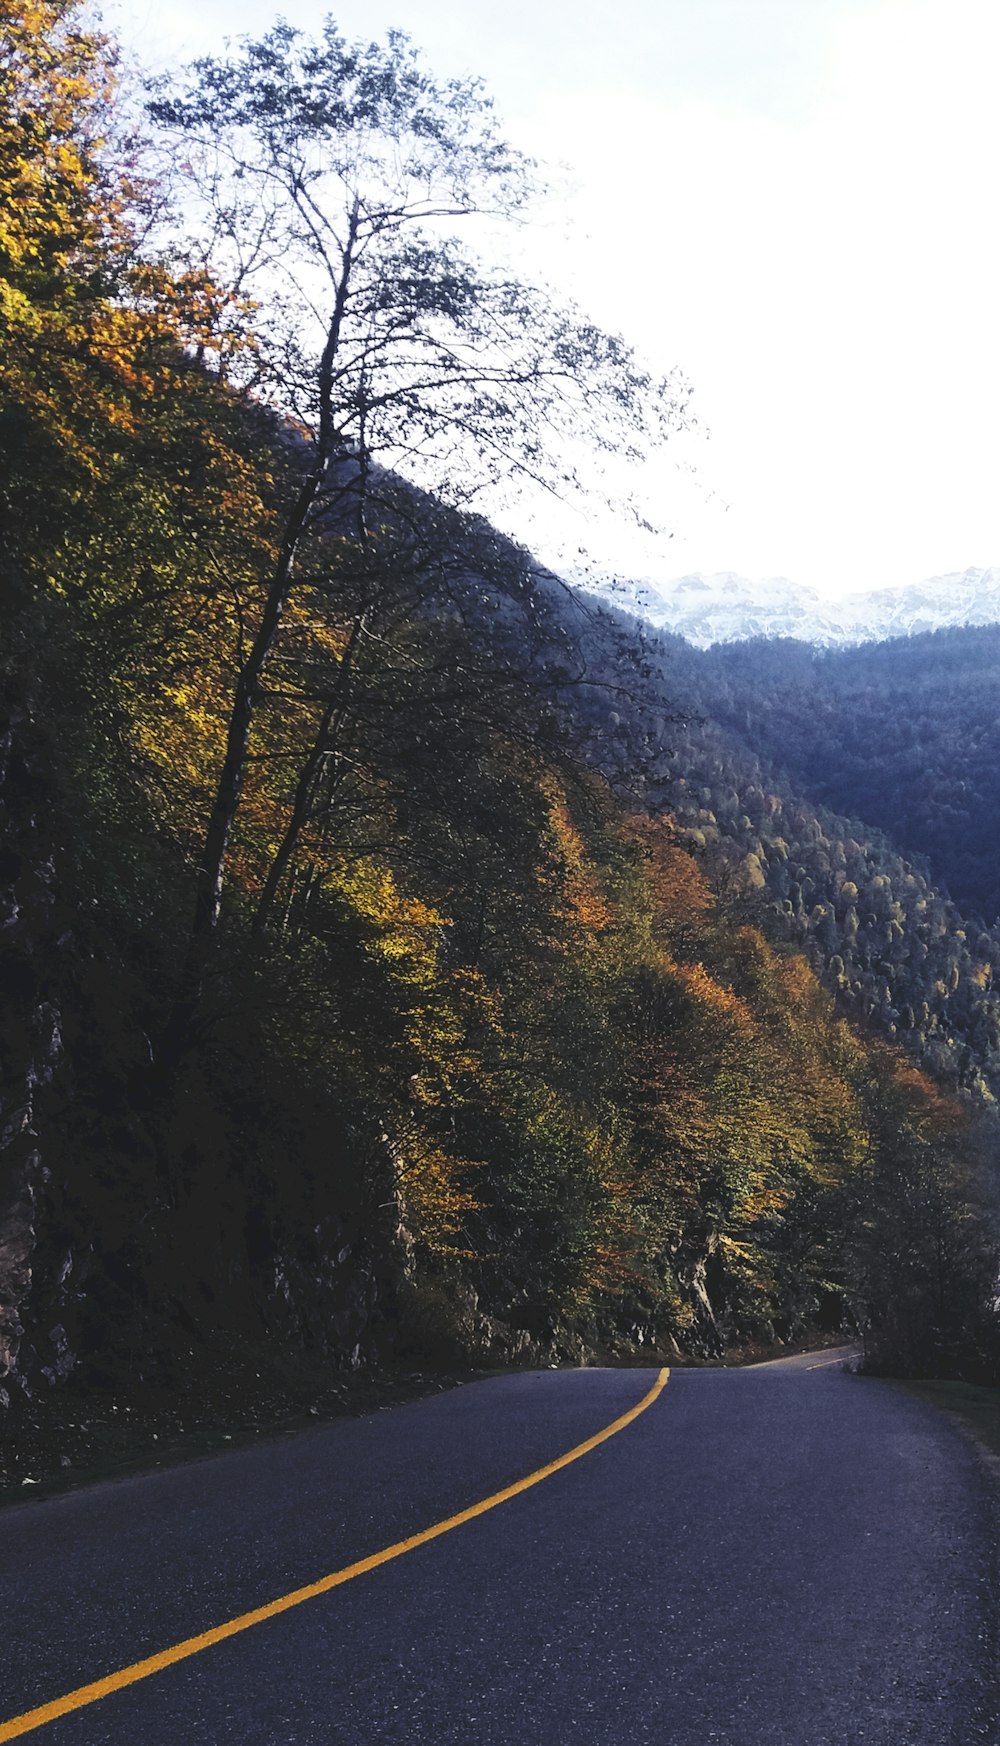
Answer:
[(334, 180)]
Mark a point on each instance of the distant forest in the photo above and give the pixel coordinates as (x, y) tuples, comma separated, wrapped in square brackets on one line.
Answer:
[(904, 735), (868, 902)]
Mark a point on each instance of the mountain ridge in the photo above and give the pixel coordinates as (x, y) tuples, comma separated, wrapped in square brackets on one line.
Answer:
[(726, 607)]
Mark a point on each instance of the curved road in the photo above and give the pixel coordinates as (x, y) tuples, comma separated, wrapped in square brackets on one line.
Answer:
[(787, 1555)]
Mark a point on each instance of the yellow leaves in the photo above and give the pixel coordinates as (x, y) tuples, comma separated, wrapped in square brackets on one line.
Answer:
[(55, 84), (16, 309), (407, 930), (93, 332), (435, 1198), (742, 1085), (438, 1009), (761, 1198), (180, 736), (188, 307), (713, 1000), (799, 984), (748, 1263), (582, 902)]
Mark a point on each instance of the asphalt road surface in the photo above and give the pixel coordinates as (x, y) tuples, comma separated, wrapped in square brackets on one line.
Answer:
[(788, 1555)]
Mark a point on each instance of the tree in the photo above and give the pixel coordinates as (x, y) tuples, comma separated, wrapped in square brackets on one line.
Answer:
[(333, 179), (437, 634), (920, 1233), (55, 83)]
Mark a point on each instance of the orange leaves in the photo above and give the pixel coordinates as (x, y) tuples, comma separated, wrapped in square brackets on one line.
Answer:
[(433, 1190), (905, 1100), (713, 1002), (729, 1077), (676, 886), (581, 900)]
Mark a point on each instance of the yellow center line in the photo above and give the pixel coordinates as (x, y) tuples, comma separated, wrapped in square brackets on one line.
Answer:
[(824, 1366), (100, 1688)]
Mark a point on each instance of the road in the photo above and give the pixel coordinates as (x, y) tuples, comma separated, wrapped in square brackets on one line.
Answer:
[(788, 1555)]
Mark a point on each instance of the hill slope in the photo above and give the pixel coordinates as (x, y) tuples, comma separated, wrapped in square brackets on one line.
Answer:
[(904, 734)]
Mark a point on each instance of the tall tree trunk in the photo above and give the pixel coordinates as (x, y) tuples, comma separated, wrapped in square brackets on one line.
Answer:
[(326, 737), (212, 863), (215, 848)]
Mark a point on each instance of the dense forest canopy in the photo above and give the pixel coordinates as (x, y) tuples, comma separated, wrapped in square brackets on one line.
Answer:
[(499, 1026), (903, 734)]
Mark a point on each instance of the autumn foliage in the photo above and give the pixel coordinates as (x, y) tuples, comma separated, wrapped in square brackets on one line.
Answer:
[(533, 1042)]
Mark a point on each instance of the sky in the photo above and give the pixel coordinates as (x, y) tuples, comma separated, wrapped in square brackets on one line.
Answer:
[(794, 201)]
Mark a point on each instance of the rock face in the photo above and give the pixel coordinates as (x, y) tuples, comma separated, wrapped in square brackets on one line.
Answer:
[(135, 1229), (138, 1228), (30, 1053), (728, 608)]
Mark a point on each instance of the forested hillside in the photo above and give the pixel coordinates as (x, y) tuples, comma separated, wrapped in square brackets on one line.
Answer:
[(903, 734), (900, 956), (397, 969)]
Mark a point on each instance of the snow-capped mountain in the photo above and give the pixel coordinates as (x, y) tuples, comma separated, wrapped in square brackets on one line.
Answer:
[(728, 608)]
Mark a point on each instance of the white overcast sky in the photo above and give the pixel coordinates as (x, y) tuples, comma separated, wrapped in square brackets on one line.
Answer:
[(794, 200)]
